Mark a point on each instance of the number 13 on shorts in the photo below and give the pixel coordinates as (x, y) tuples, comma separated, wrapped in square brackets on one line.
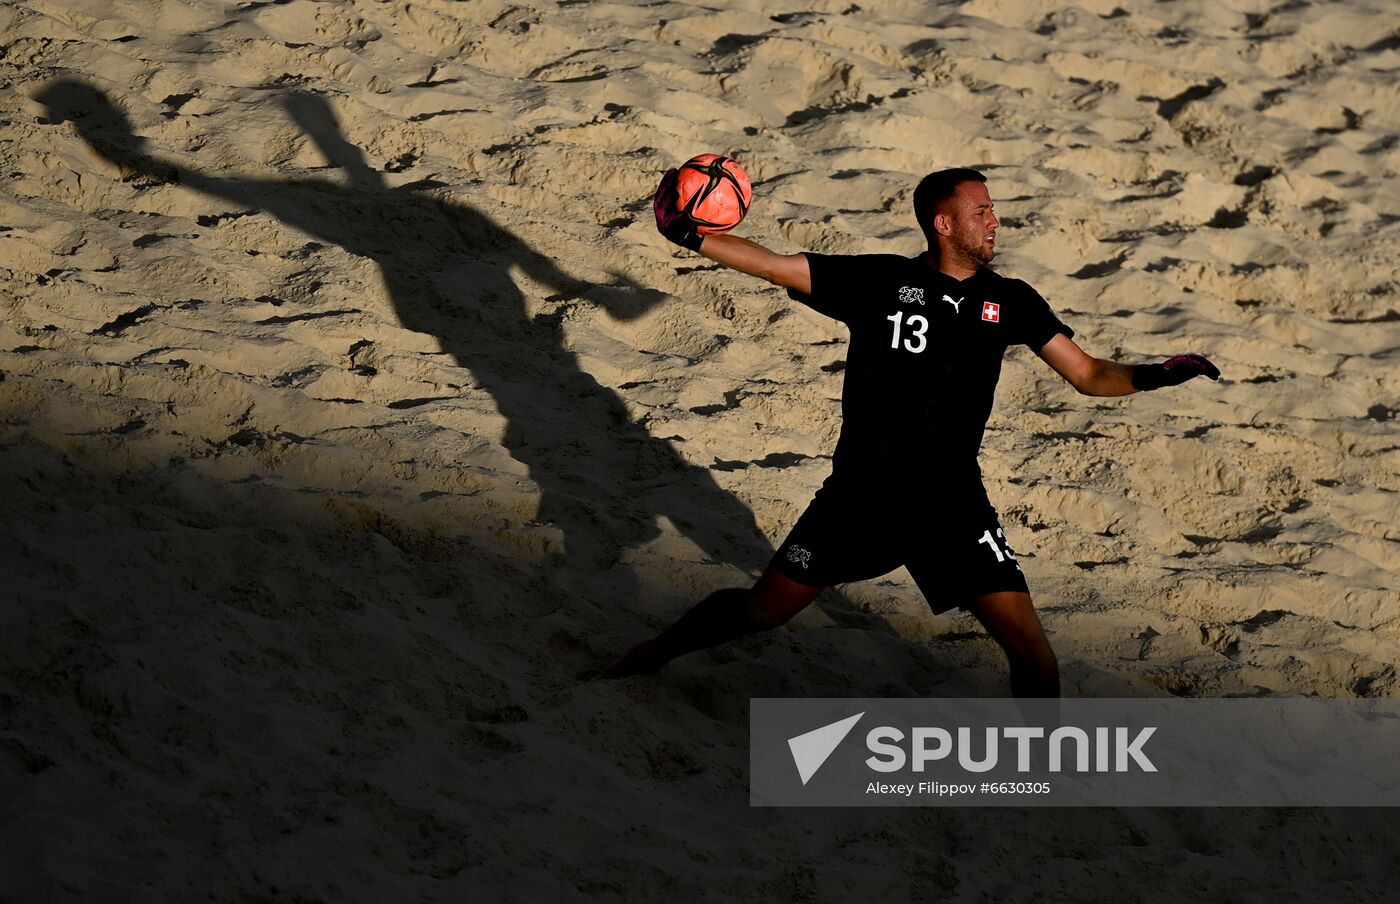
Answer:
[(997, 548)]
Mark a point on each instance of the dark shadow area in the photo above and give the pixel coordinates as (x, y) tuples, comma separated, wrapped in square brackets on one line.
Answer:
[(250, 722)]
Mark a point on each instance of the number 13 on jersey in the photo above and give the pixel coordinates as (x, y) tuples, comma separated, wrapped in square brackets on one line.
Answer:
[(917, 324)]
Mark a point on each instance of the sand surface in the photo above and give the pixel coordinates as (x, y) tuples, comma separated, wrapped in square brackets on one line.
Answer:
[(351, 410)]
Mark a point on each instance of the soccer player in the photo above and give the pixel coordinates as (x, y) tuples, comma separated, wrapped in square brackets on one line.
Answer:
[(927, 335)]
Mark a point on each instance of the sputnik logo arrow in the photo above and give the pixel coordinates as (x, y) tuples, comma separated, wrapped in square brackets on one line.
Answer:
[(810, 750)]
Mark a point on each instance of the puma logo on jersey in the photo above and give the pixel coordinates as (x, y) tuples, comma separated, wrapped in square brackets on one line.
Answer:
[(911, 294), (949, 299)]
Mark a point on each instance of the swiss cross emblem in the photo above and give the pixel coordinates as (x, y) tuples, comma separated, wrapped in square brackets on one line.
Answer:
[(991, 311)]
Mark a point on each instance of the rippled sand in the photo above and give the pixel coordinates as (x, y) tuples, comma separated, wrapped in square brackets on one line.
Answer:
[(352, 410)]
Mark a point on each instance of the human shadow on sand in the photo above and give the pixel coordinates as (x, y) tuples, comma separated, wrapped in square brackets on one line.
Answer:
[(603, 479)]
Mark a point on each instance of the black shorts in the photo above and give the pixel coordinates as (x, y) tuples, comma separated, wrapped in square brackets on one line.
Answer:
[(954, 547)]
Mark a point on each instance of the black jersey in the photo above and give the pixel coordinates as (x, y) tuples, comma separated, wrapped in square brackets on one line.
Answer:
[(924, 359)]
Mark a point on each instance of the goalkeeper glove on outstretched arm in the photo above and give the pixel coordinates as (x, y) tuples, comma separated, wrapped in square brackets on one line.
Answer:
[(1173, 372), (671, 221)]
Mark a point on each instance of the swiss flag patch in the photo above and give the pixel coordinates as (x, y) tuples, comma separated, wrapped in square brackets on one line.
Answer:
[(991, 311)]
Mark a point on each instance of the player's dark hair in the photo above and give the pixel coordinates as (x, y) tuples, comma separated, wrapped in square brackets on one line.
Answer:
[(934, 189)]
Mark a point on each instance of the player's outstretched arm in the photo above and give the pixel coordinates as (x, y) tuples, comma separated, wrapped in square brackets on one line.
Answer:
[(1097, 377), (790, 271)]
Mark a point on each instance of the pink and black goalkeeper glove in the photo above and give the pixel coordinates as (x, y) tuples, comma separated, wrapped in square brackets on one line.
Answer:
[(671, 222), (1173, 372)]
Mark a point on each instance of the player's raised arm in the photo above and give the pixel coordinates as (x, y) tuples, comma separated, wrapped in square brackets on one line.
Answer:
[(675, 221), (787, 270)]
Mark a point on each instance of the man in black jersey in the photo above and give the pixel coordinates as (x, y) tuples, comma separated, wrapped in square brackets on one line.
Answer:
[(927, 335)]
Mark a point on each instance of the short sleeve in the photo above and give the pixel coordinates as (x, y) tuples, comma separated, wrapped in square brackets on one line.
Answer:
[(836, 284), (1037, 323)]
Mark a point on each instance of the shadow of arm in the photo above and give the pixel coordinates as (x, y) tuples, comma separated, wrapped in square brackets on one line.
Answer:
[(621, 299)]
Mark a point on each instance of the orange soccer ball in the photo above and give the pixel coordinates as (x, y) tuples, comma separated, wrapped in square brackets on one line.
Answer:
[(714, 192)]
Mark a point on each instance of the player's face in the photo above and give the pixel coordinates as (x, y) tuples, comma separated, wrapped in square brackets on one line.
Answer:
[(973, 223)]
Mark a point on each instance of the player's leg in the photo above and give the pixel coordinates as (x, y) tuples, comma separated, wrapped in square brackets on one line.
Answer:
[(1010, 619), (721, 616), (832, 543), (971, 564)]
